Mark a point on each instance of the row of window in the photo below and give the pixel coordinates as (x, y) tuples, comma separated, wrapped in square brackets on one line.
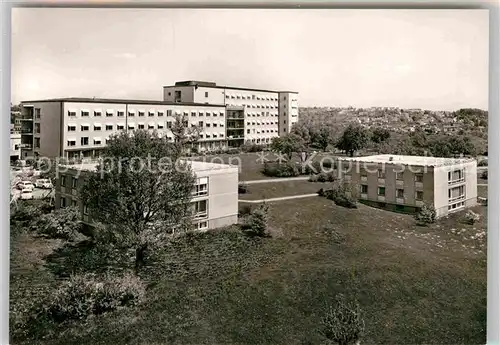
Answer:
[(400, 194), (264, 123), (254, 97), (257, 106), (131, 113), (456, 176), (399, 175), (98, 127), (260, 140), (261, 131)]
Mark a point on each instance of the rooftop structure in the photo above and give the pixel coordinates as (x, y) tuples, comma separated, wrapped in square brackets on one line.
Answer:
[(411, 160)]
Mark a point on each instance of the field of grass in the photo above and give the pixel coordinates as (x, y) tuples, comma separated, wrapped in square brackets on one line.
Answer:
[(415, 285), (270, 190)]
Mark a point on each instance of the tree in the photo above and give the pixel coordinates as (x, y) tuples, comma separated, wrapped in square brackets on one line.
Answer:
[(258, 220), (139, 207), (343, 323), (323, 138), (380, 135), (185, 137), (426, 215), (63, 223), (288, 145), (353, 139), (303, 131)]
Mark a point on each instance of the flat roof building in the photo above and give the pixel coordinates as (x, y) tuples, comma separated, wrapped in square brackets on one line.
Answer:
[(215, 195), (225, 117), (405, 183)]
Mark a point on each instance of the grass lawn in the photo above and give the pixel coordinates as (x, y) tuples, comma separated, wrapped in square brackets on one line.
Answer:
[(482, 191), (278, 189), (415, 285)]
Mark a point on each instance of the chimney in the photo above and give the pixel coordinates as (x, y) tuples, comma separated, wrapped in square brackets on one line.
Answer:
[(391, 159)]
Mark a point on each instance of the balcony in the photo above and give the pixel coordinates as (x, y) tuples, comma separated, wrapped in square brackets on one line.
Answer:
[(235, 137), (235, 117)]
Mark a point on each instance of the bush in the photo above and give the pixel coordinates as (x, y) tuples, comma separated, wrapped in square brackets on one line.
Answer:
[(426, 215), (85, 295), (245, 210), (257, 222), (63, 223), (334, 235), (274, 169), (343, 323), (318, 167), (343, 194), (28, 212), (321, 192), (483, 163), (471, 217), (313, 178), (242, 188), (484, 175), (253, 148)]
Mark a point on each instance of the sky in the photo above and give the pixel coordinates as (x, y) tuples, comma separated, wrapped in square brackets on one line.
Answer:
[(429, 59)]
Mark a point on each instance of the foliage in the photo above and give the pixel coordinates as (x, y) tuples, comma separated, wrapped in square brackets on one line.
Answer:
[(28, 212), (274, 169), (242, 188), (323, 177), (140, 207), (323, 138), (482, 163), (484, 175), (288, 145), (353, 139), (343, 323), (63, 223), (251, 147), (258, 221), (343, 193), (380, 135), (185, 136), (426, 215), (471, 217), (244, 210)]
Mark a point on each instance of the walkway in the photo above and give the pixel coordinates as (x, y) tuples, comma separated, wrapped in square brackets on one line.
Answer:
[(278, 199)]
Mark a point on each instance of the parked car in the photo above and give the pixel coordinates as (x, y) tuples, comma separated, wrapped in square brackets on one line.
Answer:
[(26, 194), (43, 183), (25, 185)]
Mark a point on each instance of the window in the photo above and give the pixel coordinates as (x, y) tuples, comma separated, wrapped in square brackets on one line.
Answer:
[(74, 203), (456, 193), (141, 113), (202, 225), (200, 123), (248, 131), (381, 174), (120, 127), (84, 141), (131, 127), (419, 195), (63, 181), (208, 124), (84, 128), (74, 183), (97, 141), (97, 127), (169, 112), (72, 113), (150, 126), (201, 187), (71, 143), (62, 202), (419, 178), (141, 126), (206, 94), (215, 124), (170, 93), (109, 113), (193, 113), (160, 113), (120, 113), (399, 176), (160, 126), (364, 189), (200, 209), (381, 191), (97, 113), (71, 128), (169, 124), (37, 113), (109, 127), (151, 113), (400, 193), (37, 143), (456, 176)]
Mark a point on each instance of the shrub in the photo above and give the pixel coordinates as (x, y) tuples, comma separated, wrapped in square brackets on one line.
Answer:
[(343, 323), (85, 295), (426, 215), (484, 175), (483, 163), (322, 177), (321, 192), (245, 210), (334, 235), (28, 212), (253, 148), (258, 220), (343, 194), (242, 188), (313, 178), (63, 223), (275, 169), (471, 217)]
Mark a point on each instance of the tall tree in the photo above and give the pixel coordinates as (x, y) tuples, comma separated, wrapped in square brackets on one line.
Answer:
[(185, 136), (141, 193), (380, 135), (353, 139), (288, 145)]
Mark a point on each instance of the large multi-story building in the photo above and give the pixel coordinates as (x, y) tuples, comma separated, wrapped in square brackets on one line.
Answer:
[(225, 117), (215, 196), (405, 183)]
